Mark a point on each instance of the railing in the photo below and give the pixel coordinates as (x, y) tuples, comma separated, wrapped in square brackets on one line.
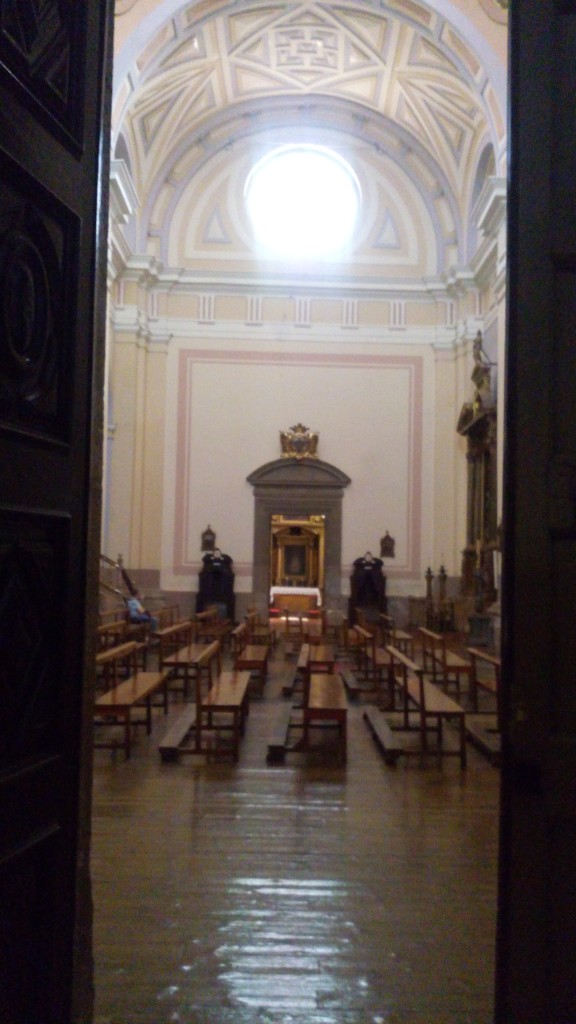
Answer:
[(122, 584)]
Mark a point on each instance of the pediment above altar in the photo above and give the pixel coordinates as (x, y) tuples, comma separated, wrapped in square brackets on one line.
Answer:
[(287, 473)]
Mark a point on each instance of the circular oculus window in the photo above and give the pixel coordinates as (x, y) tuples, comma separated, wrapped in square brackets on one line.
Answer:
[(303, 202)]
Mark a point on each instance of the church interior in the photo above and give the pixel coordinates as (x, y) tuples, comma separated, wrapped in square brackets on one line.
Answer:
[(303, 455)]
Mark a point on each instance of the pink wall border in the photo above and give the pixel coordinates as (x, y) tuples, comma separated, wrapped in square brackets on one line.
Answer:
[(186, 360)]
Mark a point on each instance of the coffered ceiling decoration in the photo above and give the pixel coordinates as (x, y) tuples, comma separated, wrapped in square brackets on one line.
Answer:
[(420, 83)]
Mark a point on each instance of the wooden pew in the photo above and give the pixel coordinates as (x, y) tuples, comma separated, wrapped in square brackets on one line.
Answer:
[(480, 680), (293, 629), (174, 742), (374, 662), (300, 672), (321, 657), (115, 663), (431, 704), (178, 636), (389, 740), (228, 695), (167, 615), (278, 739), (362, 645), (116, 706), (349, 639), (168, 636), (189, 663), (111, 634), (249, 657), (443, 662), (210, 627), (326, 703), (259, 632), (398, 638), (334, 625)]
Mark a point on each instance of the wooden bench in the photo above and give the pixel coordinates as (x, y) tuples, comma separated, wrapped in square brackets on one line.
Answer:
[(443, 662), (177, 636), (228, 695), (167, 615), (210, 627), (334, 625), (431, 704), (115, 663), (355, 688), (362, 646), (374, 662), (278, 740), (300, 672), (349, 639), (293, 629), (388, 739), (398, 638), (117, 705), (174, 635), (173, 743), (326, 703), (259, 632), (111, 634), (321, 657), (479, 680), (206, 661), (249, 657), (188, 663)]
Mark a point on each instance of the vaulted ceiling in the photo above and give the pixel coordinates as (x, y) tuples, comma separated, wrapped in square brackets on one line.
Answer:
[(418, 86)]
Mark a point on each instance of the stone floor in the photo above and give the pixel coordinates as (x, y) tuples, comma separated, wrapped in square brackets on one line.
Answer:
[(308, 893)]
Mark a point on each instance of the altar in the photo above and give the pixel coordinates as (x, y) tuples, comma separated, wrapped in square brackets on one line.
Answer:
[(295, 599)]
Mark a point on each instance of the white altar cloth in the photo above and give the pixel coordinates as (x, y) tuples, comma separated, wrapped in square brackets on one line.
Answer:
[(297, 592)]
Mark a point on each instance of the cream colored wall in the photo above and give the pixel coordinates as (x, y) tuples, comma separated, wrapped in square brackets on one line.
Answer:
[(229, 402), (138, 409)]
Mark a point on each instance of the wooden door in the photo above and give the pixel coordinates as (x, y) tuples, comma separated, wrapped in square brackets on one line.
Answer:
[(52, 104), (536, 949)]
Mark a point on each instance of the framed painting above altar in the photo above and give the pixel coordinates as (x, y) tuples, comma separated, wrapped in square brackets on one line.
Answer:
[(297, 551)]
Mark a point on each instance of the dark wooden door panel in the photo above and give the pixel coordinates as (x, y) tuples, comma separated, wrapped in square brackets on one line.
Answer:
[(536, 962), (52, 107)]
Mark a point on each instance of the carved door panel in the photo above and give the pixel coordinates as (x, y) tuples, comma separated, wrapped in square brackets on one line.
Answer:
[(51, 106), (536, 951)]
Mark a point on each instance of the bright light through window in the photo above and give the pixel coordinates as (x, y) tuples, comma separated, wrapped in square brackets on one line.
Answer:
[(303, 201)]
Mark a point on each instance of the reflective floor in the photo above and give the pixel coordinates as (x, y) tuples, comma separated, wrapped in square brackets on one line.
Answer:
[(307, 893)]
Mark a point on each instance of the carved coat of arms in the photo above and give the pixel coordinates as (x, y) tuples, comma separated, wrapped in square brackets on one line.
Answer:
[(299, 442)]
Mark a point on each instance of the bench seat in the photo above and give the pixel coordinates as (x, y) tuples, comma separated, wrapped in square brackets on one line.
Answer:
[(326, 704), (249, 657), (278, 737), (388, 739), (491, 682), (119, 703), (300, 672), (186, 663), (448, 665), (228, 695), (171, 744), (431, 703)]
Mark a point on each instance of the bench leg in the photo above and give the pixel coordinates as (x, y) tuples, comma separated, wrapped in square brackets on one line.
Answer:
[(127, 733), (236, 734), (462, 741), (343, 744)]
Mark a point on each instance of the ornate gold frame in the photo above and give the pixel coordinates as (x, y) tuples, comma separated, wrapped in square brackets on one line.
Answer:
[(297, 547)]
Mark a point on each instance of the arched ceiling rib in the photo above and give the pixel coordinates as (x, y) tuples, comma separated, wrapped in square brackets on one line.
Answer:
[(343, 126), (407, 72), (398, 75)]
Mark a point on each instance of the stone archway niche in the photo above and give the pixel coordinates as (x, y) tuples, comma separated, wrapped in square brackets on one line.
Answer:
[(298, 487)]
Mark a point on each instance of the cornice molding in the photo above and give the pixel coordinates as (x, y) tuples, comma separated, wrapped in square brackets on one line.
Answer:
[(489, 212), (123, 195)]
